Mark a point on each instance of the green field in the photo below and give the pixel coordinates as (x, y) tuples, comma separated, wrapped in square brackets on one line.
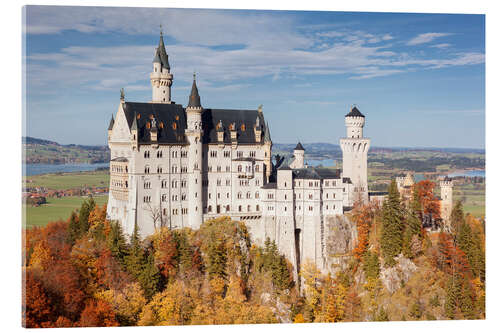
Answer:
[(54, 210), (70, 180)]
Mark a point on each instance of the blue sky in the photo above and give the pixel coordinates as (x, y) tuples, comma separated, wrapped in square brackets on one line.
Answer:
[(418, 78)]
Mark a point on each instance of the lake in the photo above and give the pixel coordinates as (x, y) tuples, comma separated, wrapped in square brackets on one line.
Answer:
[(38, 169), (326, 162), (469, 173)]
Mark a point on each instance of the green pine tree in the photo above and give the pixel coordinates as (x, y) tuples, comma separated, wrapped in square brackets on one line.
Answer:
[(413, 226), (149, 277), (371, 265), (83, 217), (217, 257), (452, 296), (457, 219), (117, 243), (135, 260), (467, 306), (391, 241), (73, 228)]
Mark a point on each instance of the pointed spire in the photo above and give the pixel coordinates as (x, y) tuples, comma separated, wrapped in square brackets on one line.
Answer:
[(161, 54), (267, 135), (299, 147), (122, 94), (220, 127), (354, 112), (194, 98), (111, 123), (134, 122)]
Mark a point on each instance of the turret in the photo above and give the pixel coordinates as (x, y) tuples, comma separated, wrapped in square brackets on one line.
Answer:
[(194, 134), (355, 155), (298, 153), (161, 79), (446, 186), (354, 122)]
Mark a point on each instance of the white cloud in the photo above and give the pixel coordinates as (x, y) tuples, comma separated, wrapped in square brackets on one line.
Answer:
[(426, 38), (441, 46), (272, 48)]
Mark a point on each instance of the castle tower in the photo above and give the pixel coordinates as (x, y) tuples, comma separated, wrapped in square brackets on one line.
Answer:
[(355, 155), (194, 134), (298, 153), (446, 186), (161, 79)]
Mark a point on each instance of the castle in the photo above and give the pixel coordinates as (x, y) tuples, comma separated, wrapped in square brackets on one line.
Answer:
[(405, 185), (178, 166)]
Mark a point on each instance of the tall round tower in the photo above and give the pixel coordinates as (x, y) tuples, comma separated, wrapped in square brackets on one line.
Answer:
[(161, 79), (446, 186), (355, 155), (194, 135)]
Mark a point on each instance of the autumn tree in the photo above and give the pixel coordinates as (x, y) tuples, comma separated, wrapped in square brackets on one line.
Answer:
[(363, 216), (429, 202), (97, 314)]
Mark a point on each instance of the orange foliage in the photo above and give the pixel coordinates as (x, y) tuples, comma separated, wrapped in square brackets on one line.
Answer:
[(450, 258), (166, 253), (429, 202), (97, 215), (97, 314), (37, 308), (363, 217), (109, 273)]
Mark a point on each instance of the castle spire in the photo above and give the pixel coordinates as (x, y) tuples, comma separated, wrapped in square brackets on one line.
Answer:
[(111, 123), (267, 134), (194, 98), (161, 53)]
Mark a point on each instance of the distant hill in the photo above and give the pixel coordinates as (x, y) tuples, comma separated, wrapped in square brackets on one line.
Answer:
[(50, 152)]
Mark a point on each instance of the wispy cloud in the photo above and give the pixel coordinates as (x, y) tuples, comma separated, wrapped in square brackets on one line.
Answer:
[(441, 46), (426, 38)]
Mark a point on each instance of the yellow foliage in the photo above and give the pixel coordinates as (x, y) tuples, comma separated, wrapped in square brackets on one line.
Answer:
[(41, 256), (127, 303), (299, 318)]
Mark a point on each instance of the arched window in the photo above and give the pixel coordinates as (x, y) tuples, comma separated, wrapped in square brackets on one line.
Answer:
[(239, 208), (239, 195), (248, 208), (248, 195), (209, 209), (257, 195), (257, 208), (257, 168), (227, 208), (239, 168), (146, 169)]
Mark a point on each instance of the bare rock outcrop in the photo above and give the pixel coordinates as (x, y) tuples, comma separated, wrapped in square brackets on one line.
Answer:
[(341, 239), (394, 277)]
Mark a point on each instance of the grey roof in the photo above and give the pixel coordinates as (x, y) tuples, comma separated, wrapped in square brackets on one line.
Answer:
[(111, 123), (327, 173), (168, 114), (447, 179), (119, 159), (270, 186), (299, 147), (284, 163), (161, 53), (306, 173), (134, 126), (245, 135), (194, 97), (354, 113), (267, 134)]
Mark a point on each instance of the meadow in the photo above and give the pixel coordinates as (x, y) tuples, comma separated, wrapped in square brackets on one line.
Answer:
[(64, 181), (55, 209)]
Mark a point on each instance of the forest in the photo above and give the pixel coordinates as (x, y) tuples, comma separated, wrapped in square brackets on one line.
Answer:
[(85, 272)]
